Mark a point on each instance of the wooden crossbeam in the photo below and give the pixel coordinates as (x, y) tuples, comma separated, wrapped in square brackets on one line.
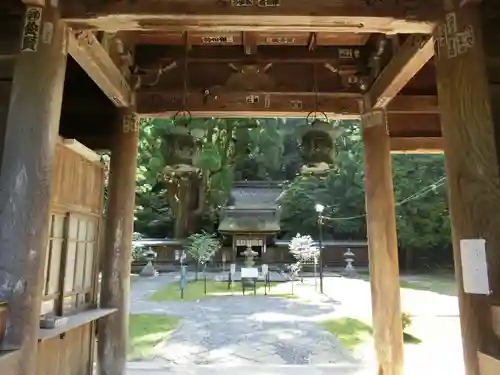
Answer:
[(417, 145), (230, 103), (347, 105), (488, 365), (416, 51), (96, 62), (148, 58), (394, 16)]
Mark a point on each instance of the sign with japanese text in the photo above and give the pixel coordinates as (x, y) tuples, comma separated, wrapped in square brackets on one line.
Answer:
[(31, 30), (217, 39)]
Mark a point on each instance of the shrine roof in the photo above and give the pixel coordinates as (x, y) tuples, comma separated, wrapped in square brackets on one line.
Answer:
[(248, 224)]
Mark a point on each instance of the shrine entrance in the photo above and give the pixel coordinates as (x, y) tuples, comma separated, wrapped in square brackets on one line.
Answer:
[(421, 75), (255, 243)]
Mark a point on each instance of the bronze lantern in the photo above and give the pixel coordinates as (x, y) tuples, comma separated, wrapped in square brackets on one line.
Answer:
[(317, 146)]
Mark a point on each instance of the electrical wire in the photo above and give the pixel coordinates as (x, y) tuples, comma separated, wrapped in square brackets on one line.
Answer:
[(432, 187)]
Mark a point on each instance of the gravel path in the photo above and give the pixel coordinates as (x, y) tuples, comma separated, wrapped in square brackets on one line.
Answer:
[(238, 330)]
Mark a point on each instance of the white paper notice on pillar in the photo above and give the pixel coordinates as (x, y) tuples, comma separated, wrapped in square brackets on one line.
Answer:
[(474, 266)]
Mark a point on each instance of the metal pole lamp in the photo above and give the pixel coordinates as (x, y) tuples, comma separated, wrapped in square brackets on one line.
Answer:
[(319, 209)]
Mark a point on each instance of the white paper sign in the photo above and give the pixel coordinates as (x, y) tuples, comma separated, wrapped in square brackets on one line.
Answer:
[(249, 272), (265, 269), (474, 266), (233, 269)]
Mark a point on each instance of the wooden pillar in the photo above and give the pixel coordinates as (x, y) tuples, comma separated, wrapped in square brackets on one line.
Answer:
[(117, 252), (30, 138), (382, 245), (467, 56)]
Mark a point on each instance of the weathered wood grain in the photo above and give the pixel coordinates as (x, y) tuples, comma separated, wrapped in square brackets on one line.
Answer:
[(417, 145), (76, 182), (383, 250), (416, 51), (97, 63), (390, 17), (117, 252), (30, 138), (470, 121)]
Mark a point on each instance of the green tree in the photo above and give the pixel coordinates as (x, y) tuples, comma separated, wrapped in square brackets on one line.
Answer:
[(201, 247)]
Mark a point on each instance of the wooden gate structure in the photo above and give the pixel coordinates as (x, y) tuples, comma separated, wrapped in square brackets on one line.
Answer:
[(422, 74)]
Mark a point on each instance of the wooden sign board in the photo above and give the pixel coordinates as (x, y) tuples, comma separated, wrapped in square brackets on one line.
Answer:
[(249, 272), (349, 53), (280, 40), (259, 3), (242, 3), (31, 29), (217, 39), (372, 118)]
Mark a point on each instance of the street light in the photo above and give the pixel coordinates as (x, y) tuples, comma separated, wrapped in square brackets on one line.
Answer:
[(319, 209)]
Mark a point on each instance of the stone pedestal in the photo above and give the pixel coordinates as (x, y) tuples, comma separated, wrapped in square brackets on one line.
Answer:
[(149, 270)]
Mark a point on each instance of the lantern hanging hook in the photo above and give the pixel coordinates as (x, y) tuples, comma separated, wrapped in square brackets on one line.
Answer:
[(183, 112), (315, 113)]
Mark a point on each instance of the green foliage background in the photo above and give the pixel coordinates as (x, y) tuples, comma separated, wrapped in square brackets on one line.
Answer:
[(266, 149)]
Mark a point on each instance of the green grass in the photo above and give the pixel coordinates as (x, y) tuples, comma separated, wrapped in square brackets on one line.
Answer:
[(146, 331), (353, 332), (436, 283), (440, 283), (350, 332), (195, 290)]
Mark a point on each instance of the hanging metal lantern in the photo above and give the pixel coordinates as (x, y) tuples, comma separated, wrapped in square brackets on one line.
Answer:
[(317, 145), (182, 147)]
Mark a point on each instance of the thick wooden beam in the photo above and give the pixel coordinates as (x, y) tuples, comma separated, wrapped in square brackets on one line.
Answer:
[(394, 16), (382, 246), (96, 62), (116, 260), (235, 38), (30, 139), (488, 365), (228, 103), (235, 54), (403, 125), (470, 119), (414, 104), (416, 51), (417, 145), (231, 103)]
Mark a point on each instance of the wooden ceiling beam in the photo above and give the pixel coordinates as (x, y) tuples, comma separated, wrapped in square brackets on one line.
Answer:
[(417, 145), (148, 57), (227, 38), (415, 52), (97, 63), (230, 103), (389, 17), (403, 125)]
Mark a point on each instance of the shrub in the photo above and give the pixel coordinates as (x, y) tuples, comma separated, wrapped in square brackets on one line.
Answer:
[(406, 320)]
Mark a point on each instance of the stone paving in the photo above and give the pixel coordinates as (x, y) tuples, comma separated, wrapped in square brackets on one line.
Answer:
[(242, 331), (275, 336)]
